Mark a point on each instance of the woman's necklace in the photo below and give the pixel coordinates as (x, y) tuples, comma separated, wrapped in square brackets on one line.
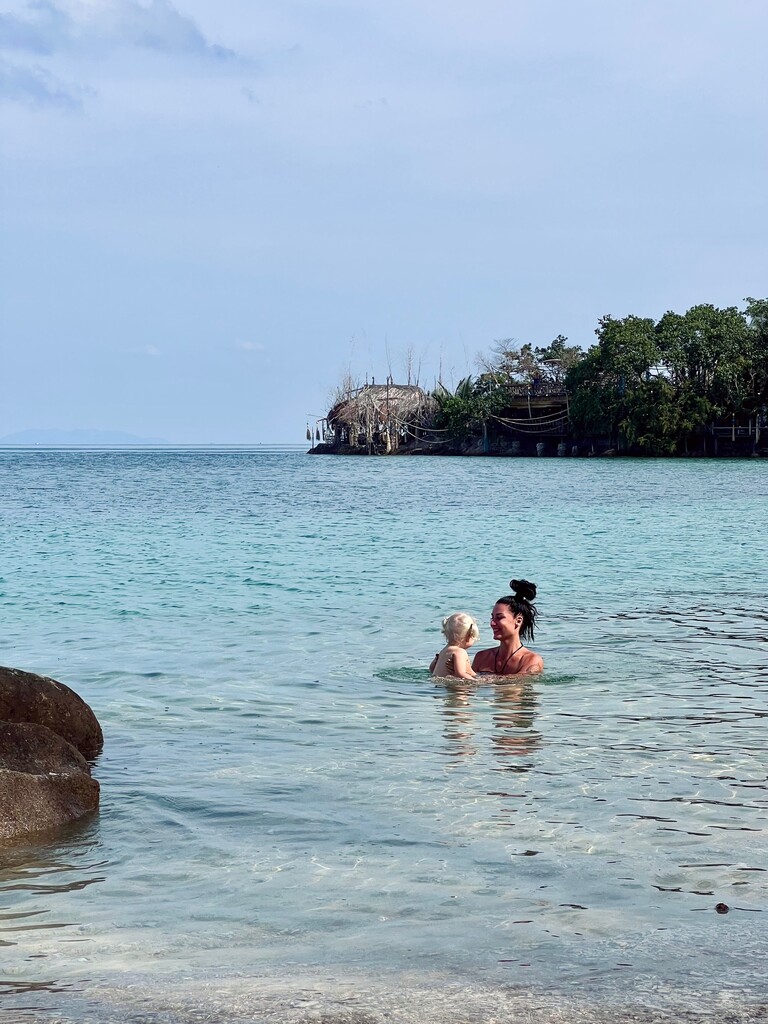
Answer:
[(496, 660)]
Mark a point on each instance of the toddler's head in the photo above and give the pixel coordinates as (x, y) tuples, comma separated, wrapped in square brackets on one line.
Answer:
[(460, 629)]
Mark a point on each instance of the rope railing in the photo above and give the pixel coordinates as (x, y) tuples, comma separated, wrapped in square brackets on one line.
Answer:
[(535, 390), (429, 440), (536, 433), (550, 423), (552, 426), (559, 415)]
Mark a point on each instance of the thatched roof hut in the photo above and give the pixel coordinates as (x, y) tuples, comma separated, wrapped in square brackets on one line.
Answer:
[(380, 416)]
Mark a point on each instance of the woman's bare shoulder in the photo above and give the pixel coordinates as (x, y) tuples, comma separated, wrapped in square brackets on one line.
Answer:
[(531, 663)]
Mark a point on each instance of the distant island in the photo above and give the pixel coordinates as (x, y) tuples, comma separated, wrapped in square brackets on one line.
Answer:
[(64, 438), (690, 384)]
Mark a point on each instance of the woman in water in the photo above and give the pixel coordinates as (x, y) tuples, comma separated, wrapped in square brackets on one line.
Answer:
[(512, 621)]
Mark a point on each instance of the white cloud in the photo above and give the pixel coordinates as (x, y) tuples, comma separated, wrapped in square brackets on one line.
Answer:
[(41, 31), (53, 42), (47, 27), (35, 86), (410, 169)]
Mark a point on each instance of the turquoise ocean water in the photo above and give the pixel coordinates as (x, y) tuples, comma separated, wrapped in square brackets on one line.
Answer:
[(298, 824)]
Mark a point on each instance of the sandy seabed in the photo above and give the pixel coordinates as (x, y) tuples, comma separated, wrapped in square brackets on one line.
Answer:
[(315, 999)]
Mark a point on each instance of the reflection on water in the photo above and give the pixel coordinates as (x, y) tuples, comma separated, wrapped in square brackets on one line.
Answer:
[(32, 878), (513, 710), (459, 726), (515, 706)]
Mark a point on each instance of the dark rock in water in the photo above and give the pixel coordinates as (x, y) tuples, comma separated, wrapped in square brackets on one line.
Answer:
[(27, 697), (46, 733), (44, 781)]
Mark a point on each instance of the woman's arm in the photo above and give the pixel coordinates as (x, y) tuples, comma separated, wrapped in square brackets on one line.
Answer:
[(531, 664)]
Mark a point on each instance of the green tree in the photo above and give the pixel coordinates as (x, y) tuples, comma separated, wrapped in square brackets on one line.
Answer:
[(459, 413), (511, 363), (757, 318), (588, 388), (706, 354), (465, 413), (557, 358), (651, 422), (607, 386)]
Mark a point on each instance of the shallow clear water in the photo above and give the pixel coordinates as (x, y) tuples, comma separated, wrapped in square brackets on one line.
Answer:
[(296, 820)]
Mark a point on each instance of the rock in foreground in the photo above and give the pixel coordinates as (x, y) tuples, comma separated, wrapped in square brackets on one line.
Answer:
[(27, 697), (44, 781)]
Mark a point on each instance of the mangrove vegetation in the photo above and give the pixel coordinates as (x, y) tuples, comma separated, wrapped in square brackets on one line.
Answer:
[(693, 383)]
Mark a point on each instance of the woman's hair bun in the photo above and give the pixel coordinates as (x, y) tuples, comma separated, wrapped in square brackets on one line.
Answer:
[(523, 589)]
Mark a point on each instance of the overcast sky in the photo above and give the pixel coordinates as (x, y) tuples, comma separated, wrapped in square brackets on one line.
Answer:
[(212, 209)]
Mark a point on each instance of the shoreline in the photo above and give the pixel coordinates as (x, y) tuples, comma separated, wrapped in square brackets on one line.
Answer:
[(498, 452), (311, 996)]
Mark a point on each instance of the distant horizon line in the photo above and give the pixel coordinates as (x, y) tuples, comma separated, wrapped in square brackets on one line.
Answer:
[(8, 445)]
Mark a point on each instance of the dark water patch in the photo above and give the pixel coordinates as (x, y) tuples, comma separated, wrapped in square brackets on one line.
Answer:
[(549, 678), (405, 674)]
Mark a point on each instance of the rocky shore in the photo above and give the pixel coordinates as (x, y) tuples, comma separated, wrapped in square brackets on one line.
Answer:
[(47, 736)]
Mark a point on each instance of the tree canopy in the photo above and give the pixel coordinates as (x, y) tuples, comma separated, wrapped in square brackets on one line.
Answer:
[(645, 386), (658, 387)]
